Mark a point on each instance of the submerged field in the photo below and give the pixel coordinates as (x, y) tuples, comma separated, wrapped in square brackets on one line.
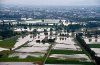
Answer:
[(94, 44), (25, 48)]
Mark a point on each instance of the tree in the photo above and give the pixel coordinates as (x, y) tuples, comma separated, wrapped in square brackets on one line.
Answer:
[(25, 27), (51, 31), (30, 26)]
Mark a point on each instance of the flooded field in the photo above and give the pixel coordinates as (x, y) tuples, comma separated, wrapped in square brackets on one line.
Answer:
[(32, 47), (94, 44), (31, 29), (65, 43), (80, 57), (66, 49), (1, 49), (22, 40), (17, 63), (29, 63), (25, 55), (97, 51), (92, 40)]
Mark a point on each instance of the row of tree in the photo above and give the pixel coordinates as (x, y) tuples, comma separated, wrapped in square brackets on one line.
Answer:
[(88, 49)]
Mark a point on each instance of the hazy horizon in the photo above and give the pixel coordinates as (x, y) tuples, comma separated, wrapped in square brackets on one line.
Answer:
[(51, 2)]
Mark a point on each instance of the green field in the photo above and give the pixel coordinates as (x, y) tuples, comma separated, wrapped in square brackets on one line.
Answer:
[(65, 52), (94, 45), (8, 43)]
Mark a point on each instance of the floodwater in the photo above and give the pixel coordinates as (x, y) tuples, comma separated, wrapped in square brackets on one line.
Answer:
[(29, 63), (63, 64), (32, 48), (72, 56), (22, 41), (1, 49), (17, 63), (31, 29), (66, 43), (22, 29), (24, 55), (92, 40), (97, 51)]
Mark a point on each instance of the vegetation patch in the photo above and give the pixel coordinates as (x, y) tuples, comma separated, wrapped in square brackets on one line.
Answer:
[(8, 43), (65, 52), (94, 45)]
